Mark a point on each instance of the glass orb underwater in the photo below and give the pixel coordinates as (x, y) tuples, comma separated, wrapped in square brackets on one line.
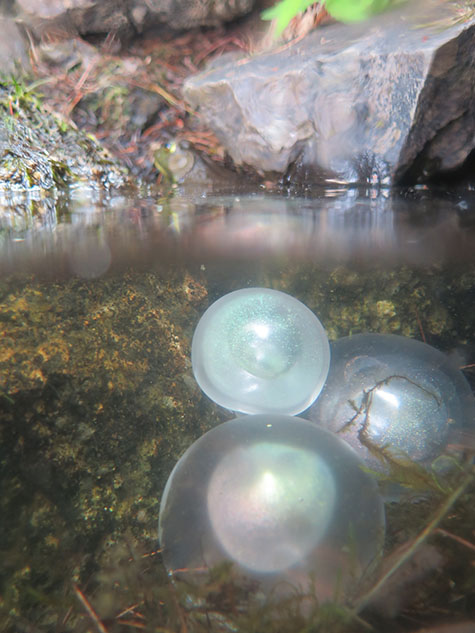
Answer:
[(260, 351), (279, 497), (396, 394)]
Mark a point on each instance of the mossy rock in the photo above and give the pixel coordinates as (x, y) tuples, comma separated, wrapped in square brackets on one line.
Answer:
[(39, 150)]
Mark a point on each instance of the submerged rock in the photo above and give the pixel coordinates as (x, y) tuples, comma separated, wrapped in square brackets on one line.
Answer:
[(387, 100)]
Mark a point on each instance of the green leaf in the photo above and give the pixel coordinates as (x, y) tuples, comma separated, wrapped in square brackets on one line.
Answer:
[(355, 10), (342, 10), (284, 11)]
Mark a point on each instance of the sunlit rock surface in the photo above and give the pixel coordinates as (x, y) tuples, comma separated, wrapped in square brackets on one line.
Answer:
[(128, 16), (381, 101)]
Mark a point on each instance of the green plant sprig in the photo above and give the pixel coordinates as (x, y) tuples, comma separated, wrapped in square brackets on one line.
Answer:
[(342, 10)]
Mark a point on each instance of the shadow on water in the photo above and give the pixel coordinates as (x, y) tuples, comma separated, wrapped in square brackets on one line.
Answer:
[(100, 295)]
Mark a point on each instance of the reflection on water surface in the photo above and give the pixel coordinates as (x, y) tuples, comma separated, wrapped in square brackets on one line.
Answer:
[(99, 302), (114, 231)]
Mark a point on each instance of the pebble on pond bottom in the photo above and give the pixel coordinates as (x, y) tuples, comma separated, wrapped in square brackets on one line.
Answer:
[(282, 499)]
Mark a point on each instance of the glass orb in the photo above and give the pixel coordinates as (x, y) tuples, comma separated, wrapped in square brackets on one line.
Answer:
[(282, 499), (260, 351), (394, 394)]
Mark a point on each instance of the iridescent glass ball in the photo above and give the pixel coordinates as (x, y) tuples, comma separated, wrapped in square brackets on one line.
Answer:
[(282, 499), (260, 351), (395, 396)]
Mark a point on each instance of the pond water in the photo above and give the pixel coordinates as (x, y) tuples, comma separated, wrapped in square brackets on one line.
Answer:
[(100, 294)]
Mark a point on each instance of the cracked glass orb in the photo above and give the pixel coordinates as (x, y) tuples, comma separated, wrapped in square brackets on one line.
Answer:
[(260, 351), (283, 500), (394, 396)]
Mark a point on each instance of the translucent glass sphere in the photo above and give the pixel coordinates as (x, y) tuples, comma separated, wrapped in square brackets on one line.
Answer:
[(394, 394), (260, 351), (280, 498)]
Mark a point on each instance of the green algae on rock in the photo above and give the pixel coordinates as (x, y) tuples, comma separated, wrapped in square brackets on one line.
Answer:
[(94, 411), (97, 403)]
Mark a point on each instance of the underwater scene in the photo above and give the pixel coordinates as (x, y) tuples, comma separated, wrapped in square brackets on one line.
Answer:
[(243, 413)]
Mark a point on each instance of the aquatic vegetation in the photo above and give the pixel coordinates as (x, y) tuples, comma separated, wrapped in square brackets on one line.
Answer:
[(98, 403)]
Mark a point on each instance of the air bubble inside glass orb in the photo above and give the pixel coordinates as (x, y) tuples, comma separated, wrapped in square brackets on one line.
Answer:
[(260, 351), (280, 498), (396, 394)]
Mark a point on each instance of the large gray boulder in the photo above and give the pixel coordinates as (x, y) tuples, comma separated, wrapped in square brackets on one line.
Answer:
[(388, 100), (124, 17)]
